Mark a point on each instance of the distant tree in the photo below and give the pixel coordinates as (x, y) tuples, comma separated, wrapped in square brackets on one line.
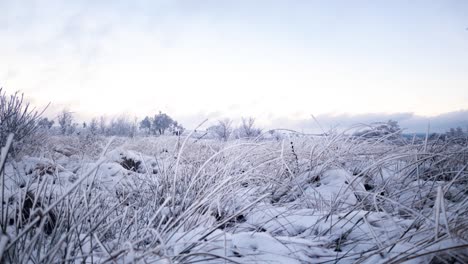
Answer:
[(455, 133), (162, 122), (73, 128), (159, 124), (145, 125), (93, 126), (65, 120), (103, 125), (121, 126), (45, 123), (222, 130), (248, 129)]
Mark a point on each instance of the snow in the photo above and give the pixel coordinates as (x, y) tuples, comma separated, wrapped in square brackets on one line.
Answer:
[(322, 213), (333, 189)]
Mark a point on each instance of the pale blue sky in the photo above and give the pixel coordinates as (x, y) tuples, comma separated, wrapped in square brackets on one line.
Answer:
[(275, 60)]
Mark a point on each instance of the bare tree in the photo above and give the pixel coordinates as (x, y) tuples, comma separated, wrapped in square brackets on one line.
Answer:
[(65, 120), (94, 126), (122, 126), (146, 125), (102, 125), (222, 130), (248, 129)]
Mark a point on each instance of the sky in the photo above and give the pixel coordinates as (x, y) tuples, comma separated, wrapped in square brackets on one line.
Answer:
[(282, 62)]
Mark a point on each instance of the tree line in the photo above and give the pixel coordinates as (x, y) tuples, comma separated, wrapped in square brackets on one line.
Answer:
[(157, 125), (16, 116)]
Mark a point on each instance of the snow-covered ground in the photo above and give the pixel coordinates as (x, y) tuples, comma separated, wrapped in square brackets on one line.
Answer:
[(171, 199)]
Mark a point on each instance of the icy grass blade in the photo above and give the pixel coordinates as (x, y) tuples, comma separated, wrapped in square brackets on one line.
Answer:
[(441, 212), (4, 152), (101, 160), (3, 242), (41, 213), (179, 154), (437, 212), (187, 249), (3, 157)]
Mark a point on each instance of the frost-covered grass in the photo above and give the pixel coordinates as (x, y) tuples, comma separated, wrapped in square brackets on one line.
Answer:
[(333, 199)]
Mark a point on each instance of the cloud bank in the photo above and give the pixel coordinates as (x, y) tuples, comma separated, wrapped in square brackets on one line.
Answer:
[(410, 122)]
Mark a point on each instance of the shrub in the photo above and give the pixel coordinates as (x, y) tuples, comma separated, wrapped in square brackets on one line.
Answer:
[(16, 116), (45, 123), (176, 129)]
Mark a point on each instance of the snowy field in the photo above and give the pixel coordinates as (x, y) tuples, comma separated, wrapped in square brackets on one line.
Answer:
[(169, 199)]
